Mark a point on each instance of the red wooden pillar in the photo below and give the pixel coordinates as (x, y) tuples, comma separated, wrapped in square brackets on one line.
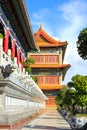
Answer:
[(13, 48), (18, 55), (6, 40), (22, 58)]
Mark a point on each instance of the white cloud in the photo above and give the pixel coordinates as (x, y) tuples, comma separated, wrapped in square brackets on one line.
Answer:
[(73, 9), (74, 12)]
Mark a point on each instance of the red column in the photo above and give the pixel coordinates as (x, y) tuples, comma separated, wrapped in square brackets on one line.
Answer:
[(18, 55), (6, 40), (22, 58), (13, 48)]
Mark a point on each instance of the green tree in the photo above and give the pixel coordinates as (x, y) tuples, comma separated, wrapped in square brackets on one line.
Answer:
[(80, 84), (1, 35), (28, 69), (27, 64), (60, 98), (70, 99), (70, 84), (82, 44), (74, 95), (35, 79)]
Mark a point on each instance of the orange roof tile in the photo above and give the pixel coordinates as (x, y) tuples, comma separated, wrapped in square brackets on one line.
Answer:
[(46, 44), (49, 41), (50, 86), (50, 65)]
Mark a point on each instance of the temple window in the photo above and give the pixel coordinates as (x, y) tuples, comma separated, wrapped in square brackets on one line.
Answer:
[(51, 59)]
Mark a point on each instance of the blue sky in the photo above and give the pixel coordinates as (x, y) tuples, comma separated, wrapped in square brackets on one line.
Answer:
[(63, 20)]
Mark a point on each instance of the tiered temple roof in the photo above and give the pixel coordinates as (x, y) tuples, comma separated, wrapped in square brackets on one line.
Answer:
[(41, 36), (43, 40)]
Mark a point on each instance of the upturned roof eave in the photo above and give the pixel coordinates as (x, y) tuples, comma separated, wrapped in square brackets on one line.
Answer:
[(50, 66), (50, 86), (15, 11), (29, 29), (64, 71), (48, 38)]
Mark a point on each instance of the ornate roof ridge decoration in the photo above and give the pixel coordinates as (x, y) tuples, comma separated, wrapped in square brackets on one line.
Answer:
[(50, 86), (51, 40)]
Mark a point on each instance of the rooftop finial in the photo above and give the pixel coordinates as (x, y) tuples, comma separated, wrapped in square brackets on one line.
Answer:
[(40, 26)]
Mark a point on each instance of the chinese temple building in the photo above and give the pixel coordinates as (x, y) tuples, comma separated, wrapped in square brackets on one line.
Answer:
[(20, 96), (49, 68)]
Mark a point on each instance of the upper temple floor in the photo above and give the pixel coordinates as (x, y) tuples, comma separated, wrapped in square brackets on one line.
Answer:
[(46, 58), (50, 55), (47, 44), (50, 51)]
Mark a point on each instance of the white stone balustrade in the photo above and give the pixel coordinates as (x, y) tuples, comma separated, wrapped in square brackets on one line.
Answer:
[(20, 97), (22, 80)]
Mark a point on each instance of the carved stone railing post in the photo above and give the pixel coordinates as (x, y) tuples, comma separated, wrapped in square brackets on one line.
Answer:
[(15, 62), (2, 102), (9, 55)]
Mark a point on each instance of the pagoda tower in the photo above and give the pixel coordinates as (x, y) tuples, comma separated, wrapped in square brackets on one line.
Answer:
[(49, 67)]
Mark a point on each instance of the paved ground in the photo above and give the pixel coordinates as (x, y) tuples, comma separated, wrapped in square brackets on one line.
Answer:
[(50, 120)]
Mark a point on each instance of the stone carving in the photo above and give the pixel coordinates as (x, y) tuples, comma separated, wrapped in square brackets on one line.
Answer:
[(7, 70)]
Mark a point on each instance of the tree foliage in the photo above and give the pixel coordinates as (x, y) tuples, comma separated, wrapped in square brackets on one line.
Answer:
[(27, 63), (28, 69), (82, 44), (61, 96), (75, 94), (80, 84), (1, 35), (70, 84), (82, 100), (70, 99), (35, 79)]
